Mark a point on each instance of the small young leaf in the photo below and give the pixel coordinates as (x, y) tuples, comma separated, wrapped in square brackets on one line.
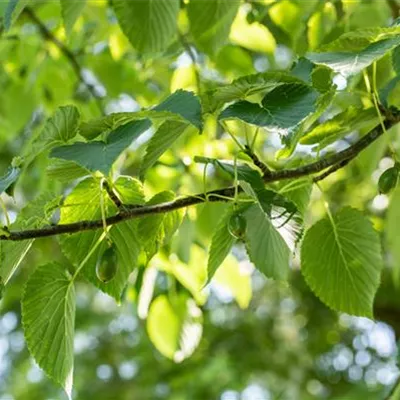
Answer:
[(355, 51), (48, 317), (341, 261)]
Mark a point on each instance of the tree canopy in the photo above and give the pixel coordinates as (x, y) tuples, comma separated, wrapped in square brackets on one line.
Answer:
[(199, 199)]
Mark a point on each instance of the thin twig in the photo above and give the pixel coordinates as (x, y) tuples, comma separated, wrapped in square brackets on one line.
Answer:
[(331, 170), (257, 162), (215, 195), (48, 35), (114, 198)]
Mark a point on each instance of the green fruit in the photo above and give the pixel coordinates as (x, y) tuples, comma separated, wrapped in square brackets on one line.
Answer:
[(106, 267), (388, 180), (237, 226)]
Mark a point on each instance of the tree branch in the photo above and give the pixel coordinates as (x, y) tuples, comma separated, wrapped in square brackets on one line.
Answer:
[(333, 162), (48, 35)]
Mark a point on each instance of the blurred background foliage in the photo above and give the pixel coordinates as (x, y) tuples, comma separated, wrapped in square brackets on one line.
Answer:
[(259, 339)]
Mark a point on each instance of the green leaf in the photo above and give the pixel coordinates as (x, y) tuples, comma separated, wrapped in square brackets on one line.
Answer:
[(83, 203), (160, 142), (322, 78), (129, 190), (210, 22), (236, 280), (245, 87), (386, 92), (340, 125), (48, 318), (12, 253), (180, 106), (266, 248), (244, 171), (65, 171), (155, 230), (98, 155), (392, 231), (13, 10), (58, 129), (185, 104), (298, 191), (175, 326), (291, 140), (9, 178), (221, 244), (283, 108), (150, 25), (354, 51), (341, 261), (396, 60), (71, 10)]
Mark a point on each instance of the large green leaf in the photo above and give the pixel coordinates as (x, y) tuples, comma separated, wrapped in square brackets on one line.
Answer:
[(48, 317), (354, 51), (210, 22), (70, 10), (175, 326), (282, 109), (341, 124), (341, 261), (99, 155), (150, 25), (178, 110), (266, 248), (180, 106), (244, 87), (221, 244)]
